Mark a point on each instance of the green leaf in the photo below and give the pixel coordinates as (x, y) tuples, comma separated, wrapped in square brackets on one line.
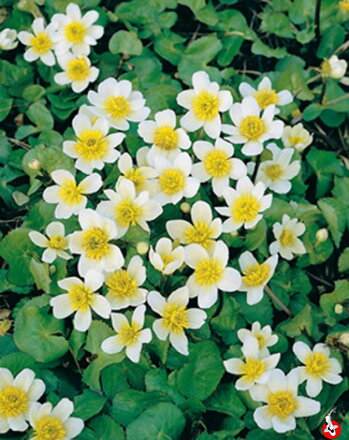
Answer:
[(226, 400), (5, 103), (126, 43), (335, 214), (259, 48), (92, 373), (17, 249), (200, 376), (329, 300), (276, 23), (106, 429), (169, 46), (88, 404), (163, 422), (40, 272), (256, 236), (33, 92), (303, 321), (343, 262), (156, 380), (331, 39), (97, 333), (312, 111), (40, 116), (35, 334), (16, 362)]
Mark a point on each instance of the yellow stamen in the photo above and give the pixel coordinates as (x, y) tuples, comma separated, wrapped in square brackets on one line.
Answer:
[(136, 176), (95, 243), (256, 274), (205, 106), (13, 402), (166, 138), (41, 43), (217, 163), (129, 334), (118, 106), (57, 242), (252, 369), (266, 97), (78, 69), (70, 192), (200, 233), (245, 208), (172, 181), (287, 238), (91, 145), (81, 297), (208, 271), (274, 171), (49, 428), (281, 404), (75, 32), (252, 127), (317, 364), (128, 213), (121, 284), (175, 318), (295, 140)]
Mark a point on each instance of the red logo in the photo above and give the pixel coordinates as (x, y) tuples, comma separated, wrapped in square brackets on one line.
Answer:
[(332, 430)]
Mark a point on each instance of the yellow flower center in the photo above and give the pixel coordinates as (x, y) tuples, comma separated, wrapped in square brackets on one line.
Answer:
[(57, 242), (326, 68), (49, 428), (128, 334), (175, 318), (128, 213), (274, 171), (41, 43), (217, 163), (81, 297), (252, 127), (78, 69), (205, 106), (75, 32), (166, 138), (261, 340), (200, 233), (167, 259), (252, 369), (281, 404), (256, 274), (245, 208), (95, 243), (344, 5), (91, 145), (118, 106), (172, 181), (136, 176), (70, 193), (121, 284), (317, 364), (266, 97), (13, 402), (295, 140), (209, 271), (287, 238)]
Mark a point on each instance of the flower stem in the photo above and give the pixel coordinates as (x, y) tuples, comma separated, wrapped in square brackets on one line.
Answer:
[(277, 300)]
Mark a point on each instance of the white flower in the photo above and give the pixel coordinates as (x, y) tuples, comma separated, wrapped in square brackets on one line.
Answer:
[(204, 103), (217, 164), (17, 395), (277, 172), (93, 146), (166, 258), (127, 208), (250, 128), (210, 273), (123, 285), (130, 336), (334, 67), (174, 181), (263, 335), (54, 423), (116, 101), (255, 276), (76, 32), (54, 244), (80, 299), (41, 43), (163, 135), (142, 176), (255, 369), (287, 242), (297, 137), (93, 243), (244, 205), (68, 195), (283, 404), (203, 230), (77, 72), (8, 39), (265, 95), (319, 366), (175, 318)]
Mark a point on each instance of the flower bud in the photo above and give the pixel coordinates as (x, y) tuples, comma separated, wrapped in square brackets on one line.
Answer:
[(52, 269), (5, 325), (8, 39), (142, 247), (338, 309), (344, 339), (334, 67), (321, 235), (34, 165), (185, 207)]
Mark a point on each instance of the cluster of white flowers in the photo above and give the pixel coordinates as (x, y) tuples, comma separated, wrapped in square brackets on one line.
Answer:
[(168, 170), (19, 404), (277, 391), (67, 39)]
